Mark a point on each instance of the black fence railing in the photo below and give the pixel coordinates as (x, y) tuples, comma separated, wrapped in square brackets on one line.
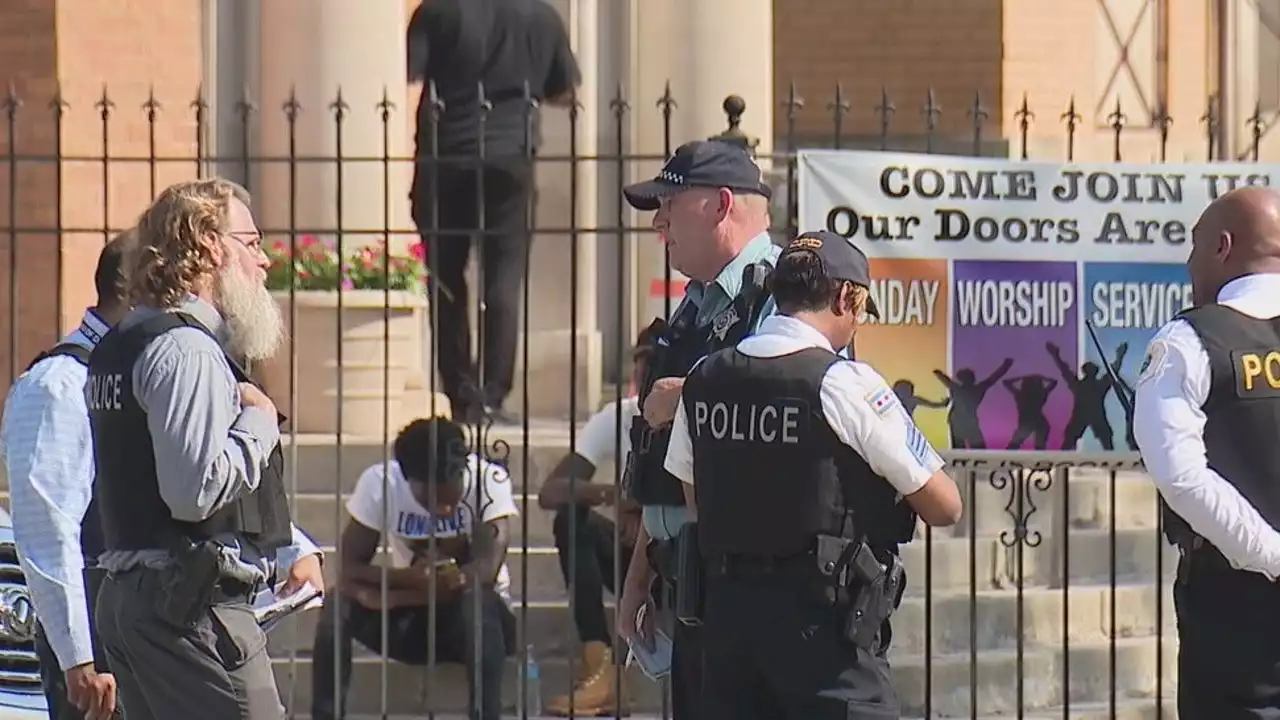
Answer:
[(1048, 598)]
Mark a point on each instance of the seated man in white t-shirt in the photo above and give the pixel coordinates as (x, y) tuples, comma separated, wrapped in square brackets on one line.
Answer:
[(432, 490), (589, 544)]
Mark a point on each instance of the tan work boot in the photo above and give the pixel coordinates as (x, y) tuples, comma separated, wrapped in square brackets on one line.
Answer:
[(598, 691)]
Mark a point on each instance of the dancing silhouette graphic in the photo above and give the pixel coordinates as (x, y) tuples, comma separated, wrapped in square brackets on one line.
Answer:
[(1089, 396), (1030, 394), (967, 393), (906, 392)]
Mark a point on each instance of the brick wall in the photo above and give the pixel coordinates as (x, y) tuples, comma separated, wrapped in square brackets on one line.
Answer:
[(131, 47), (904, 46), (1002, 49)]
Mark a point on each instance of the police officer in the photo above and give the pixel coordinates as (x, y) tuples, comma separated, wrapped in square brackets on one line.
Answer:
[(713, 212), (189, 486), (796, 462), (1207, 419)]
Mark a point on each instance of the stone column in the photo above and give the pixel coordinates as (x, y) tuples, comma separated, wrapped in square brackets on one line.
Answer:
[(314, 49)]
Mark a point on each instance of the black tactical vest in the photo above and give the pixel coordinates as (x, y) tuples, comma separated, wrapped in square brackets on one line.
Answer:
[(771, 474), (133, 515), (681, 345), (90, 528), (1242, 411)]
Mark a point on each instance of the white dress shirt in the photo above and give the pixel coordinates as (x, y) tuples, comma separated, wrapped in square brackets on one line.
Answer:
[(859, 406), (48, 454), (1168, 424)]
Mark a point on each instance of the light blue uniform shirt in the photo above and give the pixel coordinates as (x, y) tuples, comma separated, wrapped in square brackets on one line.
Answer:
[(48, 455), (661, 522)]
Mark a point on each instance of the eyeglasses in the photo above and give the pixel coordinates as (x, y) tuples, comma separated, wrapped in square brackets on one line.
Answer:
[(251, 239)]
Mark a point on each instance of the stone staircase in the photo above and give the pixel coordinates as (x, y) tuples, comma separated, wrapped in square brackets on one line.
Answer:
[(1006, 619)]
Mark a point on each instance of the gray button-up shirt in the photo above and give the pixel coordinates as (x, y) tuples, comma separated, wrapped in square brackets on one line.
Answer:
[(209, 450)]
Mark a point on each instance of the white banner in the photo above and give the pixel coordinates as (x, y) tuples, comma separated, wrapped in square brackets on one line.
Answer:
[(901, 205)]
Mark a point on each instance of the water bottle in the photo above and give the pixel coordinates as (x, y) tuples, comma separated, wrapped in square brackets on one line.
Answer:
[(531, 682)]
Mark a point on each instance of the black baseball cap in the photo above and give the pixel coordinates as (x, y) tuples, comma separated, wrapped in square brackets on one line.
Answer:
[(840, 260), (701, 163)]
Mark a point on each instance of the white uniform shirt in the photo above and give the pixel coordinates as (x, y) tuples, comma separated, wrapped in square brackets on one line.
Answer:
[(408, 526), (1168, 423), (596, 441), (859, 405)]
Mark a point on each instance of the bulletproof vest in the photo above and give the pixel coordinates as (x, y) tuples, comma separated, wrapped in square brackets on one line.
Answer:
[(679, 347), (132, 512), (90, 528), (770, 473), (1242, 411)]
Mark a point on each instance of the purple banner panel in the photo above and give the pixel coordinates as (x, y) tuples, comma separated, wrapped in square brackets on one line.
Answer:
[(1011, 322)]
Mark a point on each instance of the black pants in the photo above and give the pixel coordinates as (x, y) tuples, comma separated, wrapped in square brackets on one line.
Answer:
[(217, 670), (686, 640), (407, 634), (590, 550), (502, 188), (775, 651), (1229, 644)]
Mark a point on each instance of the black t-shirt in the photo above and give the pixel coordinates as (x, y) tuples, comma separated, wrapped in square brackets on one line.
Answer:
[(459, 44)]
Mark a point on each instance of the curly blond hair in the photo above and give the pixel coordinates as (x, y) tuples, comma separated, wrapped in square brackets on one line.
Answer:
[(174, 253)]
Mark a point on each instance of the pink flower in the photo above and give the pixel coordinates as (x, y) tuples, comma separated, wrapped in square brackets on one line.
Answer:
[(307, 241), (419, 251)]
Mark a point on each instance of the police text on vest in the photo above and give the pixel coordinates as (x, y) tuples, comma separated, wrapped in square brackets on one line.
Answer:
[(1257, 372), (748, 423), (104, 391)]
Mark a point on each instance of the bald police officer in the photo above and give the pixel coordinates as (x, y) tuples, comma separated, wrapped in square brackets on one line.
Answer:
[(713, 213), (796, 462), (1207, 418)]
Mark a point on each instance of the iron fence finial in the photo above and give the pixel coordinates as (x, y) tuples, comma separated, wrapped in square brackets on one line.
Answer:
[(12, 101), (667, 102), (794, 103), (437, 102), (104, 104), (200, 105), (385, 105), (291, 107), (485, 104), (734, 106), (151, 106), (619, 104), (58, 103), (339, 106)]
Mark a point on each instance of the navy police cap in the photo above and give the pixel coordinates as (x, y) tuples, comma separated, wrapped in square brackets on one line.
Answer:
[(840, 260), (701, 163)]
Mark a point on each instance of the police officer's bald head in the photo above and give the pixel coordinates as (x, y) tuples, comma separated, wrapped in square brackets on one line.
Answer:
[(1237, 234)]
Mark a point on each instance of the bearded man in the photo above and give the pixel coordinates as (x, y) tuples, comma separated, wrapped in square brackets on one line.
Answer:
[(189, 485)]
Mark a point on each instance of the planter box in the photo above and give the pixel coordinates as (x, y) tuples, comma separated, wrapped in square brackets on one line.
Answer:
[(351, 365)]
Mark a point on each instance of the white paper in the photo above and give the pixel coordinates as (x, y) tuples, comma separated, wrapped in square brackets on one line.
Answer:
[(269, 608)]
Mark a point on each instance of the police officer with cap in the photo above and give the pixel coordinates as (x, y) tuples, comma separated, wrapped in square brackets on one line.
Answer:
[(712, 210), (797, 463), (1206, 419)]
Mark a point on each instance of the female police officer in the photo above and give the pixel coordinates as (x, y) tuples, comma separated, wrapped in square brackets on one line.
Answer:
[(797, 461)]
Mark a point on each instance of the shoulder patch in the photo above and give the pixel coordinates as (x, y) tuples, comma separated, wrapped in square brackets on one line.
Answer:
[(1157, 351), (882, 401)]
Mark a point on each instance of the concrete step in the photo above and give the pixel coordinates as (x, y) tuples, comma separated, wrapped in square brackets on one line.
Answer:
[(1125, 710), (958, 623), (1089, 684), (944, 565)]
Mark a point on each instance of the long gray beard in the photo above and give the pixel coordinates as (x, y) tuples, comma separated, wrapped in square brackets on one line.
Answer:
[(254, 324)]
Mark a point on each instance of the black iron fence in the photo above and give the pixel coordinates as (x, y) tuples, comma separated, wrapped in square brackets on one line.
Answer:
[(1050, 597)]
